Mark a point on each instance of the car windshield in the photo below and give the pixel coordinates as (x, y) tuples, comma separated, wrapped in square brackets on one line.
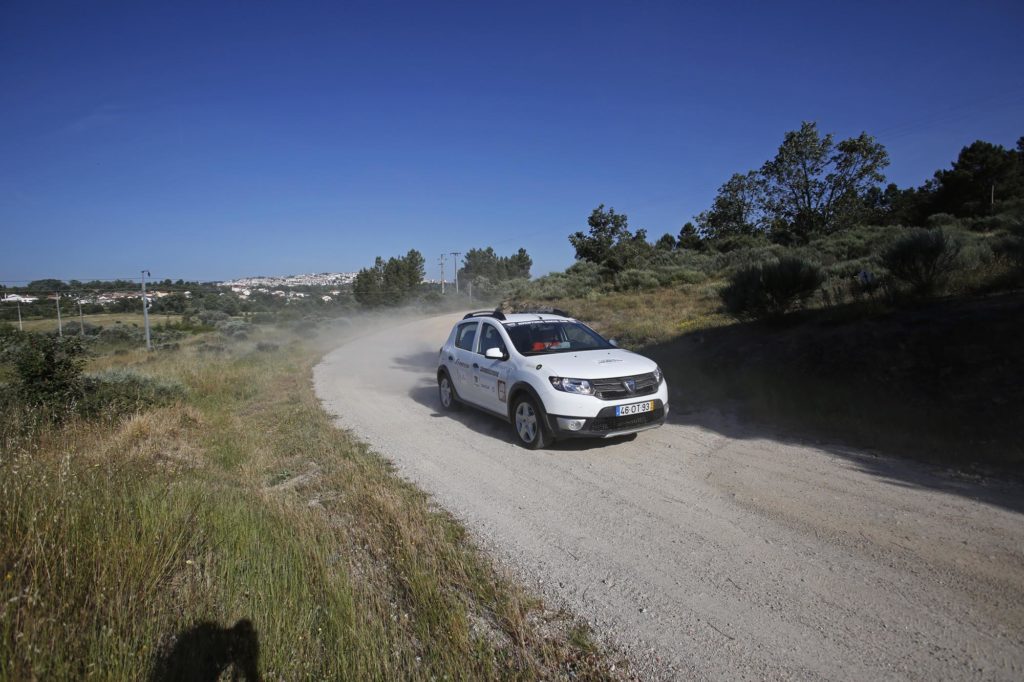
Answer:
[(539, 337)]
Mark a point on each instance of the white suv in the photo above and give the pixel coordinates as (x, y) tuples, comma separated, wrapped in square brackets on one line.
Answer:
[(550, 376)]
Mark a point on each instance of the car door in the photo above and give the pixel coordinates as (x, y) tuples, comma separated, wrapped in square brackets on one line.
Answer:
[(491, 375), (463, 355)]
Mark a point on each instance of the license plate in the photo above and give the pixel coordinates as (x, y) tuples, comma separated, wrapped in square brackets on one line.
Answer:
[(635, 408)]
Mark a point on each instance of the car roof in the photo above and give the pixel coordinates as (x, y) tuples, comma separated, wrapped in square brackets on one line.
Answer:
[(535, 317), (516, 318)]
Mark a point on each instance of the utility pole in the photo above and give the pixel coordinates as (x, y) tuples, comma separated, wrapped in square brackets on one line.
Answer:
[(455, 260), (992, 196), (81, 319), (442, 274), (60, 326), (21, 327), (145, 310)]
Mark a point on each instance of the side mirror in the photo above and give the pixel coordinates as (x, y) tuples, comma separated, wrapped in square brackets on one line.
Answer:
[(494, 354), (613, 342)]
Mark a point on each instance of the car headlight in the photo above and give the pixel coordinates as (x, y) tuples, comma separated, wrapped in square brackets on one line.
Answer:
[(657, 375), (578, 386)]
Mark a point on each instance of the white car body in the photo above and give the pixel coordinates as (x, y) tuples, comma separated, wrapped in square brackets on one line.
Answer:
[(618, 378)]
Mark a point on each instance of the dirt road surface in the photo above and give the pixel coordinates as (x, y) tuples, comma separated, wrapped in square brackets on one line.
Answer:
[(706, 550)]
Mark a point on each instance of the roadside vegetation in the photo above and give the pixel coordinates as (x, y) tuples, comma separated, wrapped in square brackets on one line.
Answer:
[(812, 299), (162, 512)]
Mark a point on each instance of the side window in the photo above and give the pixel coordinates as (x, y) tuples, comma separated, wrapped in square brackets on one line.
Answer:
[(492, 339), (466, 335), (578, 335)]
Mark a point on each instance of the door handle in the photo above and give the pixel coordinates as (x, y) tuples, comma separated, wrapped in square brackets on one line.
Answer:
[(476, 366), (450, 358)]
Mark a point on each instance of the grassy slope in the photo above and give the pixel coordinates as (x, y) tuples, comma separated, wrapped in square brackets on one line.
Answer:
[(245, 502), (99, 319), (938, 380)]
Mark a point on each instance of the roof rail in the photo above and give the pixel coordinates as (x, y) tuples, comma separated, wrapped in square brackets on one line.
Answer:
[(496, 314), (545, 311)]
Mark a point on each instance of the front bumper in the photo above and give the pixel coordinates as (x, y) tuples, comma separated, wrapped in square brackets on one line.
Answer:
[(606, 424)]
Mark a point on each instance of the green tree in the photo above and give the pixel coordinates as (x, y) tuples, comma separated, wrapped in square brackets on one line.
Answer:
[(814, 185), (391, 282), (666, 242), (689, 238), (46, 285), (607, 229), (519, 265), (982, 173), (413, 266), (485, 263), (738, 208), (368, 285), (610, 243)]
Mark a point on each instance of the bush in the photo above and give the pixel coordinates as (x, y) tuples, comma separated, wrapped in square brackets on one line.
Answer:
[(1011, 247), (578, 281), (119, 392), (855, 244), (1000, 221), (940, 220), (234, 329), (635, 280), (49, 371), (121, 334), (923, 259), (771, 288), (212, 317)]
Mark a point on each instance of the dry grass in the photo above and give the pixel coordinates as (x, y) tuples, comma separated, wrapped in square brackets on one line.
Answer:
[(244, 502), (99, 319), (646, 317)]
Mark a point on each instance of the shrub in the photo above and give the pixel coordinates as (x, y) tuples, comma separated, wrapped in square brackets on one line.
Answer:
[(234, 329), (211, 317), (923, 259), (634, 280), (119, 392), (856, 243), (939, 220), (305, 327), (1011, 246), (121, 334), (49, 370), (1000, 221), (78, 327), (771, 288), (578, 281)]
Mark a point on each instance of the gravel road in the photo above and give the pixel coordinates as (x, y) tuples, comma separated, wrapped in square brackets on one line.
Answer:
[(707, 550)]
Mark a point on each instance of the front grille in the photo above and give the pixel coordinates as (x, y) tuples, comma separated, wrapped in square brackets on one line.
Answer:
[(615, 388), (606, 424)]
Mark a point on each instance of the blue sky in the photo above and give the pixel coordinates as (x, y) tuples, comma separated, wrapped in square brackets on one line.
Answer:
[(212, 140)]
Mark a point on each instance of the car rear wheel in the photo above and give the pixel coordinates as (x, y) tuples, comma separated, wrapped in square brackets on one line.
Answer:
[(446, 392), (528, 424)]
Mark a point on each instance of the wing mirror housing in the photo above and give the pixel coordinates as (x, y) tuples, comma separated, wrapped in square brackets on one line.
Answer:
[(494, 354), (613, 342)]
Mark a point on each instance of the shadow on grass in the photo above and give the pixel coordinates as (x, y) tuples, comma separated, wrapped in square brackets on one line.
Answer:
[(940, 384), (207, 651)]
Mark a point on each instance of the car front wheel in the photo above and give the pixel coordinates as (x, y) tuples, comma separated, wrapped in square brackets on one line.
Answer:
[(528, 424)]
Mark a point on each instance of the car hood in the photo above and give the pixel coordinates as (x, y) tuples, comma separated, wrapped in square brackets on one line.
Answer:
[(593, 364)]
